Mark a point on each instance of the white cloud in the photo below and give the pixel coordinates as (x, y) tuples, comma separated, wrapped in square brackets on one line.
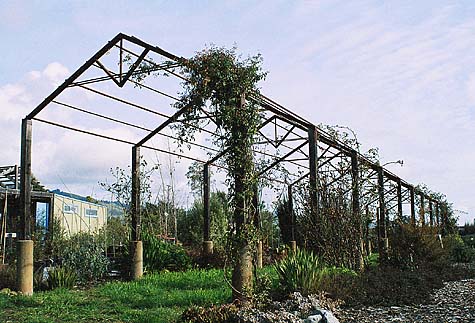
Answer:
[(56, 72)]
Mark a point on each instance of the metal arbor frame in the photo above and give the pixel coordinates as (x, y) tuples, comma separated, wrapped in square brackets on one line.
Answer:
[(288, 144)]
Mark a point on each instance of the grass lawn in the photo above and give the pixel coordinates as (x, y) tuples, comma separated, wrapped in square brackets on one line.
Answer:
[(155, 298)]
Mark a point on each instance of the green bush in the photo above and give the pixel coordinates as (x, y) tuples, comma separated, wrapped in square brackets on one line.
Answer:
[(61, 277), (459, 251), (301, 271), (411, 247), (215, 314), (159, 255), (84, 255)]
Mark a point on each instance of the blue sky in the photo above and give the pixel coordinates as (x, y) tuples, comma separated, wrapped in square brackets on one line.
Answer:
[(400, 73)]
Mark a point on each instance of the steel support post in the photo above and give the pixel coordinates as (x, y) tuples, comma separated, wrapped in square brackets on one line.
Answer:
[(355, 203), (25, 244), (257, 223), (312, 144), (437, 215), (136, 243), (413, 206), (431, 214), (292, 217), (422, 215), (399, 200), (207, 243), (382, 215)]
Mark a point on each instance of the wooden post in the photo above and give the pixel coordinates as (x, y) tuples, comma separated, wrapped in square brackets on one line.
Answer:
[(136, 243)]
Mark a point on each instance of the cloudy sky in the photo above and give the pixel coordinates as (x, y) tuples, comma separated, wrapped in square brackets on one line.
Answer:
[(400, 74)]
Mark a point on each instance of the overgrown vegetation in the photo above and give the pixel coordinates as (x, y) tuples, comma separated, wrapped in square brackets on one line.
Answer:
[(85, 255), (160, 255)]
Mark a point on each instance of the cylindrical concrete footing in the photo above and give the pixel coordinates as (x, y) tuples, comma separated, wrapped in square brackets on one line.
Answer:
[(208, 248), (259, 254), (293, 246), (25, 267), (136, 254)]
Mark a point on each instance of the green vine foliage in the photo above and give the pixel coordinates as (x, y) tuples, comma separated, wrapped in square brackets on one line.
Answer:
[(219, 81)]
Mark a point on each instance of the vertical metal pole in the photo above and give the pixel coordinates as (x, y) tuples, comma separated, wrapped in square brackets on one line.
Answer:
[(257, 224), (312, 143), (25, 181), (413, 206), (355, 203), (437, 215), (382, 215), (135, 205), (422, 216), (291, 213), (136, 243), (255, 204), (399, 199), (431, 214), (16, 177), (206, 205)]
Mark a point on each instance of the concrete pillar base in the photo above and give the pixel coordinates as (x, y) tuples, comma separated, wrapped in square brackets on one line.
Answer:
[(259, 254), (25, 267), (208, 248), (136, 254), (293, 246)]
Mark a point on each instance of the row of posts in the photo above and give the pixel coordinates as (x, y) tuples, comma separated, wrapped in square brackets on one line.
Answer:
[(25, 243), (381, 217)]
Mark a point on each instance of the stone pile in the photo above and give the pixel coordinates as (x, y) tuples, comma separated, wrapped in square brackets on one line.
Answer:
[(297, 309), (455, 302)]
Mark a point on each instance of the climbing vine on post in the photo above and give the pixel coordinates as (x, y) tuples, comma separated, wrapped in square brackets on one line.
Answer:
[(219, 80)]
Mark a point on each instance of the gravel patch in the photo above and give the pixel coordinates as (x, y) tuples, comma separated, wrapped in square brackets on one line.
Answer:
[(455, 302)]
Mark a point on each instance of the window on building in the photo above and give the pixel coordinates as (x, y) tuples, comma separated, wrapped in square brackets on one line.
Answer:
[(70, 208), (91, 213)]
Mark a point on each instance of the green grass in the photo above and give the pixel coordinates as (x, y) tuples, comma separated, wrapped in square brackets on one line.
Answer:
[(373, 260), (155, 298)]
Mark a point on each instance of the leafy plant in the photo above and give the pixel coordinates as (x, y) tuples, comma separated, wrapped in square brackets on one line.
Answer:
[(61, 277), (214, 314), (459, 250), (159, 255), (301, 271), (83, 254)]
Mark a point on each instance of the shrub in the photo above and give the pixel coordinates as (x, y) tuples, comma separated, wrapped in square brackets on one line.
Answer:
[(215, 314), (159, 255), (84, 255), (301, 271), (459, 251), (411, 247), (61, 277), (7, 276)]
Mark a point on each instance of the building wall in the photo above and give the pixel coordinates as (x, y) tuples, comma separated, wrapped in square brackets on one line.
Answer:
[(79, 216)]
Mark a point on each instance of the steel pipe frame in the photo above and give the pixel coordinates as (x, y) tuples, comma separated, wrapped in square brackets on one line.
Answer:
[(266, 103)]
